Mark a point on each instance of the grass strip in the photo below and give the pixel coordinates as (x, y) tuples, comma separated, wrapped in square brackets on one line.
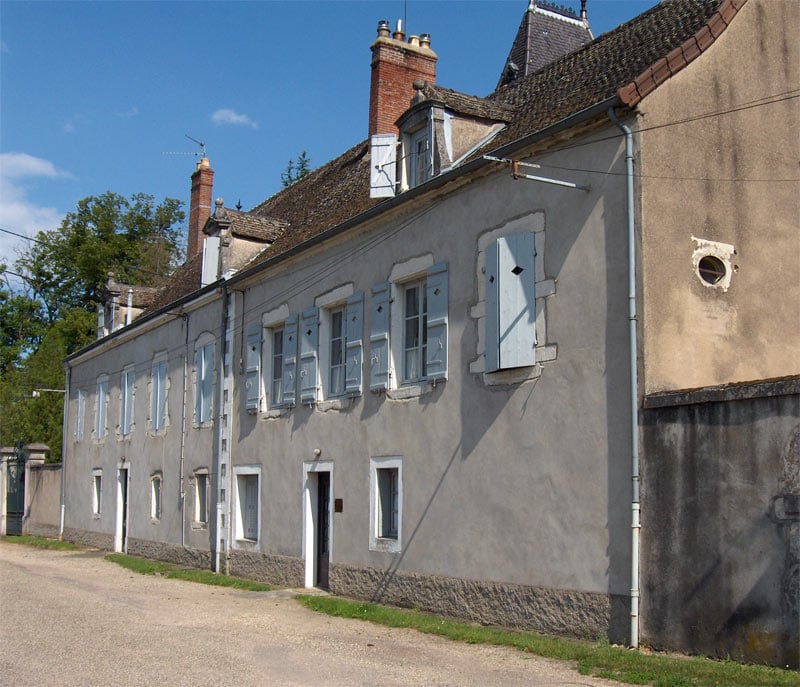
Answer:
[(598, 659), (145, 566), (42, 543)]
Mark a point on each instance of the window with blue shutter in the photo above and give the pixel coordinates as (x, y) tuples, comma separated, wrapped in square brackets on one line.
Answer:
[(510, 302), (379, 337), (309, 336), (354, 330), (252, 383), (289, 360), (436, 287), (204, 383), (126, 406)]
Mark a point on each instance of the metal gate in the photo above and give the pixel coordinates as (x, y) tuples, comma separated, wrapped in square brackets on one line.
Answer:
[(15, 492)]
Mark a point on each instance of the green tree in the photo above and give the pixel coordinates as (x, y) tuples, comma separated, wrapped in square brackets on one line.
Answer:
[(54, 313), (135, 239), (296, 169)]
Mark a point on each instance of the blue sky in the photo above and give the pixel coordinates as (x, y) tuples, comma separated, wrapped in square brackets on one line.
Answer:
[(92, 94)]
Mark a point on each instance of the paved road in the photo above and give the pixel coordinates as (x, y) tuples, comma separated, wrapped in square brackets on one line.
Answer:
[(72, 618)]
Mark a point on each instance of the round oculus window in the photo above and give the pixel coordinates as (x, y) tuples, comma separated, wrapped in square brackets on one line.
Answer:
[(711, 269)]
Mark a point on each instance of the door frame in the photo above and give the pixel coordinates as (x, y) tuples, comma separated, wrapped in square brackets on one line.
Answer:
[(123, 507), (310, 505)]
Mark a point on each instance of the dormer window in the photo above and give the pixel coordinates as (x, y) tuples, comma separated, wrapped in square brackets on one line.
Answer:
[(419, 160)]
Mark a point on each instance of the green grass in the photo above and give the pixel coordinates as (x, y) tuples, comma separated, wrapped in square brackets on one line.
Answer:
[(145, 566), (42, 543), (598, 659)]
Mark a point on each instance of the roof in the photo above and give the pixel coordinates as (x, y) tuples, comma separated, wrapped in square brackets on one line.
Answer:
[(621, 66), (470, 105), (246, 225), (545, 33)]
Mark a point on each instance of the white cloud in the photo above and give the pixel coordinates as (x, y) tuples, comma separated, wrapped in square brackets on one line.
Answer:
[(228, 116), (129, 114), (17, 212)]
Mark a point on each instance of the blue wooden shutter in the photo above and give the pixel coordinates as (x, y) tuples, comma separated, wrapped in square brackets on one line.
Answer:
[(252, 382), (437, 295), (208, 382), (379, 337), (354, 332), (510, 302), (289, 360), (309, 334)]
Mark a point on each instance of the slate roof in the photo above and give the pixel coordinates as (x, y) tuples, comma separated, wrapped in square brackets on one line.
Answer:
[(623, 64), (470, 105), (545, 33), (247, 225)]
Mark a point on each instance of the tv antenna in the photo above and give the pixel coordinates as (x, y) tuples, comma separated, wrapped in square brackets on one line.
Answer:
[(202, 145)]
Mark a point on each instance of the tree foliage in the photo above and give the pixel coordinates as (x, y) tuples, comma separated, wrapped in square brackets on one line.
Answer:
[(135, 239), (53, 313), (296, 169)]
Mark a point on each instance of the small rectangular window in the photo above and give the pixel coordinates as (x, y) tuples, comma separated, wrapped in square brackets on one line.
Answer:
[(247, 508), (386, 504), (201, 498), (97, 491), (155, 497)]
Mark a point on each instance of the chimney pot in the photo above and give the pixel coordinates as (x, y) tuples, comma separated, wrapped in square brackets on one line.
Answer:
[(383, 28), (413, 41), (398, 34), (425, 40)]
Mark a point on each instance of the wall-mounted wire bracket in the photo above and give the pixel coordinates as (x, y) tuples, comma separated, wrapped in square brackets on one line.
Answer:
[(516, 164)]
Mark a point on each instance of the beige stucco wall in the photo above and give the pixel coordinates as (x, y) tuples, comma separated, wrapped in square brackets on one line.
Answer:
[(719, 151)]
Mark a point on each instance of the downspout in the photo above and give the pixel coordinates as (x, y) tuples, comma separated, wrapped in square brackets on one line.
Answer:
[(64, 424), (219, 424), (634, 392), (182, 492)]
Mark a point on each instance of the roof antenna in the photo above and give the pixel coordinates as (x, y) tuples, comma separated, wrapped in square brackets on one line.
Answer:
[(200, 143), (201, 154)]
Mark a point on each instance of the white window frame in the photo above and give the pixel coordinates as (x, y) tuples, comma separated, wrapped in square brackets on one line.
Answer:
[(101, 408), (420, 351), (80, 413), (205, 366), (201, 490), (241, 475), (127, 393), (418, 171), (329, 303), (273, 323), (378, 541), (156, 494), (97, 492), (159, 387)]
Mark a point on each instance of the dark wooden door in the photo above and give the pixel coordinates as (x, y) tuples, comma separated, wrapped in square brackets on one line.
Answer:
[(323, 527)]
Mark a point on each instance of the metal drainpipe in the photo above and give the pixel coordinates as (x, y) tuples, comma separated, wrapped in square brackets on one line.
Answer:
[(220, 416), (182, 493), (64, 424), (636, 525)]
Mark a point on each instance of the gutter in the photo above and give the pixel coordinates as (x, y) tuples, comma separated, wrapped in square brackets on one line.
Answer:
[(634, 396)]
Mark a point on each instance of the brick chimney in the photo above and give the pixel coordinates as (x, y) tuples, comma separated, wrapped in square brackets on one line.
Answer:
[(199, 206), (395, 65)]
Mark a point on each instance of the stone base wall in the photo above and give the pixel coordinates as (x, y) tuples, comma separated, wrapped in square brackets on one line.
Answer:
[(550, 611), (97, 540), (170, 553), (283, 571), (41, 530)]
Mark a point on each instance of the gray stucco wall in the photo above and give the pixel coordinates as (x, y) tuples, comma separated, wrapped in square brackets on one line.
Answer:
[(43, 491), (720, 563)]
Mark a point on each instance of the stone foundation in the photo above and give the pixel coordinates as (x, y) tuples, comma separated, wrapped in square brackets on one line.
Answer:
[(283, 571), (550, 611), (170, 553), (97, 540)]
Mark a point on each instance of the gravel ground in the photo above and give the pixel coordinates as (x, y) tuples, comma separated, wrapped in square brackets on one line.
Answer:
[(72, 618)]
